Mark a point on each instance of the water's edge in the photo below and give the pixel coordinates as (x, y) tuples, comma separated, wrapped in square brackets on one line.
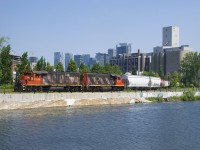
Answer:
[(37, 100)]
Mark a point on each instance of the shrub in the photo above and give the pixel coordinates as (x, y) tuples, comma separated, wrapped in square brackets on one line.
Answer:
[(188, 96), (175, 98), (155, 99), (197, 98)]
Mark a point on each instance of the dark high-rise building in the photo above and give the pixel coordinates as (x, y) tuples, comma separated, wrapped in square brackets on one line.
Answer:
[(33, 61), (123, 48), (102, 58), (68, 57), (86, 59), (112, 53), (78, 59), (128, 62), (58, 57), (92, 62)]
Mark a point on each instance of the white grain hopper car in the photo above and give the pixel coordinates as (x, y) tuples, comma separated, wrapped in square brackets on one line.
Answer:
[(143, 82)]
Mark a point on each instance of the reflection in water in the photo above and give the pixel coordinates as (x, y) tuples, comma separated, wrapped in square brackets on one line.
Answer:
[(142, 126)]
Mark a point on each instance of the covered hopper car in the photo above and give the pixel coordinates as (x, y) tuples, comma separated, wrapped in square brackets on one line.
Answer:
[(143, 82)]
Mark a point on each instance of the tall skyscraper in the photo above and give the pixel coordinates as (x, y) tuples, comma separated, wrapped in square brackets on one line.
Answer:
[(92, 62), (58, 57), (102, 58), (166, 58), (123, 48), (68, 57), (112, 53), (86, 59), (78, 59), (171, 36)]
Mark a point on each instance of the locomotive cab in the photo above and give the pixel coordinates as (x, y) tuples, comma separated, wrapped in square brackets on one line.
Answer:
[(33, 77), (117, 80), (118, 83), (31, 80)]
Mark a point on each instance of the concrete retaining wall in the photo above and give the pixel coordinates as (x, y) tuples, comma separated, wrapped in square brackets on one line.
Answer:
[(35, 100)]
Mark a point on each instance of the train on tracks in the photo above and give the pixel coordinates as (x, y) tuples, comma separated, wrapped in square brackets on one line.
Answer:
[(68, 81), (36, 81)]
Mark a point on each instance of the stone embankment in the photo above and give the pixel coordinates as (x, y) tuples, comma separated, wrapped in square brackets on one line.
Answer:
[(37, 100)]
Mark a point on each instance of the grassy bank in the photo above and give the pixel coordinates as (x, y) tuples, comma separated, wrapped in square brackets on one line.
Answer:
[(187, 96), (7, 88)]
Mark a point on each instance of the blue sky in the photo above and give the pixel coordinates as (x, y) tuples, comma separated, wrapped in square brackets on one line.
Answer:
[(42, 27)]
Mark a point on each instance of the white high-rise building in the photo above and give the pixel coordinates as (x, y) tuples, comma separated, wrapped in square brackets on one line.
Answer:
[(166, 58), (171, 36)]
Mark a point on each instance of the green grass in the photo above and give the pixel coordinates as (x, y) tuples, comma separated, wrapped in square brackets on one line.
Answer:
[(188, 95), (7, 88)]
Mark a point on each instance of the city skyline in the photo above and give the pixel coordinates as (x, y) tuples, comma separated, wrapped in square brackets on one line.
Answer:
[(89, 27)]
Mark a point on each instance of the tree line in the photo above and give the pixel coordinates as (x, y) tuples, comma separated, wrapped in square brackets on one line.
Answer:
[(6, 62), (188, 74), (42, 65)]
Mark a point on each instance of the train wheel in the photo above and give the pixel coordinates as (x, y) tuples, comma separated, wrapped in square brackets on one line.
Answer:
[(66, 89), (29, 89), (72, 89), (40, 89)]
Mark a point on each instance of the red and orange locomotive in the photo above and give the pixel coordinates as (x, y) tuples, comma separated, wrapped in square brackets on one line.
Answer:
[(68, 81)]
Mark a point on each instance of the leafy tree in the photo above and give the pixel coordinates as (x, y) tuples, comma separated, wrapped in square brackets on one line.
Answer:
[(161, 74), (174, 79), (2, 41), (151, 73), (134, 71), (41, 65), (189, 68), (188, 96), (116, 70), (1, 74), (25, 64), (6, 64), (83, 68), (96, 68), (59, 67), (49, 67), (145, 73), (107, 68), (72, 66)]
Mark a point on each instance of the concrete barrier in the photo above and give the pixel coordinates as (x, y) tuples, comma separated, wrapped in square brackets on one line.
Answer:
[(35, 100)]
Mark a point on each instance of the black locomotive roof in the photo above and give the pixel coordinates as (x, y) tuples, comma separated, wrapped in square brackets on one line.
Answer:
[(40, 72)]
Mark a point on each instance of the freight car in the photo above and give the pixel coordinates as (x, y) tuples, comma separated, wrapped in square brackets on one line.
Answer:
[(68, 81), (102, 82), (143, 82)]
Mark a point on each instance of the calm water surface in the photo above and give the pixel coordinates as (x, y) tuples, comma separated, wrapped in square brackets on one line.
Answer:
[(157, 126)]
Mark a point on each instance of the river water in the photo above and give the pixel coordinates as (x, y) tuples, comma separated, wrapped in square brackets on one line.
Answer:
[(155, 126)]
